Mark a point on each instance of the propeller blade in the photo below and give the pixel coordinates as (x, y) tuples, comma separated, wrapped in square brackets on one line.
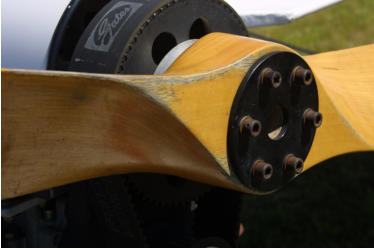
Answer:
[(64, 127), (346, 97)]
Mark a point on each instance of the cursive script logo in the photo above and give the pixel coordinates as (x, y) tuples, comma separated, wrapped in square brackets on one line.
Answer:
[(109, 26)]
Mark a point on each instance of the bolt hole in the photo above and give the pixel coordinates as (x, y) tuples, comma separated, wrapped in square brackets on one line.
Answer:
[(308, 76), (256, 127), (253, 126), (268, 172), (163, 43), (276, 123), (199, 28), (318, 120), (277, 79), (299, 166)]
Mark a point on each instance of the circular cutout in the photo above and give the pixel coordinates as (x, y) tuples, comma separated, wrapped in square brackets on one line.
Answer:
[(308, 77), (268, 172), (276, 80), (299, 166), (163, 43), (199, 28), (140, 30), (318, 120), (276, 123), (256, 127)]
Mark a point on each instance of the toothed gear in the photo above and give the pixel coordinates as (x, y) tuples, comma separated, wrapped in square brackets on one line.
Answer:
[(141, 33), (116, 212), (165, 226), (132, 37)]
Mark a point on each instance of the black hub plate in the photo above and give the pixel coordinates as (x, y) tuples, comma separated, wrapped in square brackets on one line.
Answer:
[(131, 37), (273, 107)]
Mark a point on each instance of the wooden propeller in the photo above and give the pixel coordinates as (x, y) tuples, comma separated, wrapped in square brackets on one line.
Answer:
[(64, 127)]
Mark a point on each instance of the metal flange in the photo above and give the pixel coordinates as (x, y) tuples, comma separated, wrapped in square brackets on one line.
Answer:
[(272, 122)]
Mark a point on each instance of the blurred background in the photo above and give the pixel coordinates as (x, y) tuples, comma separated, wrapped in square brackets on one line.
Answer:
[(331, 205)]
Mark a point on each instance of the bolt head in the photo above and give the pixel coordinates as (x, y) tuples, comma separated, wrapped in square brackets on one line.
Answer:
[(312, 117), (251, 125), (271, 78), (302, 76), (262, 170), (293, 164)]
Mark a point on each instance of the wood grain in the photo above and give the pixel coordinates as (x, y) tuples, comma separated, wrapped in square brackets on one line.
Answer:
[(63, 127), (346, 96), (59, 128)]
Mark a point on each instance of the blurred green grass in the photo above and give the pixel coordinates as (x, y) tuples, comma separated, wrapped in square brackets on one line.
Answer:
[(331, 205), (346, 24)]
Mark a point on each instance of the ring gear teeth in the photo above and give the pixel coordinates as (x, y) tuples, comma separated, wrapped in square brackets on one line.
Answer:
[(140, 31), (114, 206), (133, 54), (166, 226), (135, 36)]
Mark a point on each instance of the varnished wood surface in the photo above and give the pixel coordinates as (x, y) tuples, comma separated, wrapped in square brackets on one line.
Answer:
[(60, 127), (220, 50), (346, 96), (77, 123), (205, 105)]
